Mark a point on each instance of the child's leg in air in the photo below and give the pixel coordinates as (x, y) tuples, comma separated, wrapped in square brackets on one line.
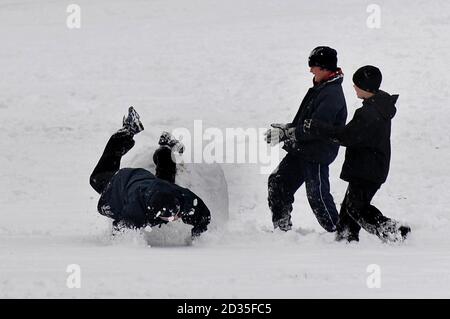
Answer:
[(166, 168), (118, 145)]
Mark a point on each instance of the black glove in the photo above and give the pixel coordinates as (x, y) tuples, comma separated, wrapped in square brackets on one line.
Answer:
[(196, 231), (279, 133)]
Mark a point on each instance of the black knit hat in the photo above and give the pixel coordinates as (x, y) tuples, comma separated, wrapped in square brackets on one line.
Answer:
[(325, 57), (368, 78)]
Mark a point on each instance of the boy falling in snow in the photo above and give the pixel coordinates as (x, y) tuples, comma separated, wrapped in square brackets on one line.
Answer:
[(134, 197), (367, 158)]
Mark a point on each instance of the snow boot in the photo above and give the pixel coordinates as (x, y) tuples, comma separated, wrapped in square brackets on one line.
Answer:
[(131, 122), (404, 231), (167, 139), (392, 231), (283, 223), (346, 236)]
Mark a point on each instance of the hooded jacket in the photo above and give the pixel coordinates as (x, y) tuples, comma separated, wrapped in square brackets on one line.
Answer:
[(367, 138), (132, 192)]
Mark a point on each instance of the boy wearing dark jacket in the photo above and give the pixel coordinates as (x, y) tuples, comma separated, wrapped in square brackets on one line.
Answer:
[(308, 157), (134, 197), (367, 158)]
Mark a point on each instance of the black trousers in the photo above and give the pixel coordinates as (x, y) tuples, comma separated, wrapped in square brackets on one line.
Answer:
[(357, 212), (118, 145)]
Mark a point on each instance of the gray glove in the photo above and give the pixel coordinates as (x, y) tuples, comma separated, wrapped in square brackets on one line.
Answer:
[(279, 133)]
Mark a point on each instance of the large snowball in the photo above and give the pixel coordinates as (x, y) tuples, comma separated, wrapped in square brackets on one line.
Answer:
[(206, 180)]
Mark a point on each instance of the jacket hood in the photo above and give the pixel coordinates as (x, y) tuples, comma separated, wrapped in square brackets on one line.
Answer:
[(384, 103)]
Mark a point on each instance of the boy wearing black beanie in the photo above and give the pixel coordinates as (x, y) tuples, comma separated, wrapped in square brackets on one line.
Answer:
[(367, 158)]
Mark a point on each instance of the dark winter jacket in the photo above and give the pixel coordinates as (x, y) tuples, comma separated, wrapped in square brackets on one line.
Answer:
[(126, 199), (367, 138), (324, 102)]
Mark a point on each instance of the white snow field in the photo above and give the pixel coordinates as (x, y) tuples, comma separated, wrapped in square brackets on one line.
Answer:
[(230, 64)]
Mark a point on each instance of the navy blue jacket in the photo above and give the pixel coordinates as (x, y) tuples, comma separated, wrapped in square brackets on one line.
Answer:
[(127, 195), (324, 102)]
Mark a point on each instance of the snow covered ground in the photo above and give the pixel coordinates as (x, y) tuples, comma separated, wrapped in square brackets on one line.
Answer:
[(230, 64)]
